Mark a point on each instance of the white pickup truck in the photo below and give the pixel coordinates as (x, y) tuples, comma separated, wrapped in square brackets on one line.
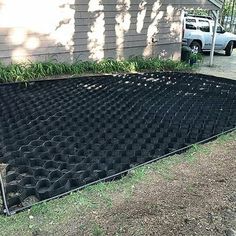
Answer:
[(198, 33)]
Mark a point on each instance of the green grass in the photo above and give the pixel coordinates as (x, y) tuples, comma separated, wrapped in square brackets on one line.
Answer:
[(47, 216), (97, 230), (30, 71)]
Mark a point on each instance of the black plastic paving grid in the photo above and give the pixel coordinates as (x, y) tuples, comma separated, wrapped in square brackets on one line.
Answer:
[(56, 136)]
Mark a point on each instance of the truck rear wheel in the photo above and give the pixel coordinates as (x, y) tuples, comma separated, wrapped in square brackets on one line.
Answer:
[(229, 49), (196, 46)]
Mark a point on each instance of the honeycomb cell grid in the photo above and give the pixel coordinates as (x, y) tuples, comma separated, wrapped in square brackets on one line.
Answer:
[(59, 135)]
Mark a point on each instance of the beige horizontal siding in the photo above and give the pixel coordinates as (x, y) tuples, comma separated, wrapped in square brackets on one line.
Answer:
[(82, 45), (109, 5), (80, 27), (80, 48), (173, 51), (81, 37)]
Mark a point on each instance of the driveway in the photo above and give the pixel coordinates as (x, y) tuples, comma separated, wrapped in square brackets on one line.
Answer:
[(223, 66)]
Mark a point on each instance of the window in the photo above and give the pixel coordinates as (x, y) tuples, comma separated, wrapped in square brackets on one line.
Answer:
[(205, 28), (220, 29), (204, 25), (190, 20), (190, 26)]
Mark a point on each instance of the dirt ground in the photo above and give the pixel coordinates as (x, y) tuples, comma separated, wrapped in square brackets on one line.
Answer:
[(224, 66), (196, 198)]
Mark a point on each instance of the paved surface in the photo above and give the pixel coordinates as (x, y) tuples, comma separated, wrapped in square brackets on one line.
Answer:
[(223, 66)]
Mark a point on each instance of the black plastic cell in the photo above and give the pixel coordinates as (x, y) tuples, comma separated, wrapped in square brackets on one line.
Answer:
[(43, 156), (43, 188), (59, 135), (65, 167), (12, 195), (27, 196), (40, 173), (36, 163), (36, 143), (25, 171), (49, 144), (51, 165), (55, 175), (28, 183), (61, 186), (59, 158), (57, 139)]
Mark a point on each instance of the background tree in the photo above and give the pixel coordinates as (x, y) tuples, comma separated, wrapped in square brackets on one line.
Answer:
[(232, 15), (228, 14)]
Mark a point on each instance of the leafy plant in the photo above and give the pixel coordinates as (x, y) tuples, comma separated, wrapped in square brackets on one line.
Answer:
[(197, 57), (34, 70)]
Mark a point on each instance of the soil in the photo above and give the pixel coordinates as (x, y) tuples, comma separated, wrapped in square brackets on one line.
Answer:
[(2, 173), (3, 169), (196, 199)]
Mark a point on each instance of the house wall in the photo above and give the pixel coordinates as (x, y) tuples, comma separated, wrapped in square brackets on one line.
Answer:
[(70, 30)]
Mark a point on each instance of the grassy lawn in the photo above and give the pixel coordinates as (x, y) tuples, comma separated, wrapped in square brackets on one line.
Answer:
[(163, 198)]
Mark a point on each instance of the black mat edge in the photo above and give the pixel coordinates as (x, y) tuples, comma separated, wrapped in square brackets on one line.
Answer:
[(39, 80)]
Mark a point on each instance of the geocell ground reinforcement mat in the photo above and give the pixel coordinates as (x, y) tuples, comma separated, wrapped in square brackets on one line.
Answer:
[(56, 136)]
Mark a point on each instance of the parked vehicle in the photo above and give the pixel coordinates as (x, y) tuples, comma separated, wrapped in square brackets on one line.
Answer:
[(198, 33)]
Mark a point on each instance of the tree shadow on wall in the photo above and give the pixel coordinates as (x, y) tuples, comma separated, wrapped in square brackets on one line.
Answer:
[(91, 30), (122, 28), (29, 31)]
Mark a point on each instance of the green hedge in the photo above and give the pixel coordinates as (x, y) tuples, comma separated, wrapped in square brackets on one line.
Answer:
[(30, 71)]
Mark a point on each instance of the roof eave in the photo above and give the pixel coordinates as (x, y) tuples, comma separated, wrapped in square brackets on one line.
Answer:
[(217, 3)]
